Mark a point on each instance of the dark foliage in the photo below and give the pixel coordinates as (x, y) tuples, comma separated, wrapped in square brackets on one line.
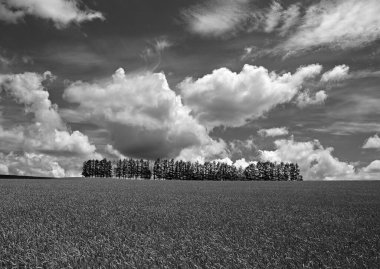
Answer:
[(180, 170), (96, 168)]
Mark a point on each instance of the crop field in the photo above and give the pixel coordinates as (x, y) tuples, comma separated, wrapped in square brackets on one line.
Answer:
[(175, 224)]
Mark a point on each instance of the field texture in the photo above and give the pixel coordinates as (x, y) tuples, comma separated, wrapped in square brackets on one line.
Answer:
[(172, 224)]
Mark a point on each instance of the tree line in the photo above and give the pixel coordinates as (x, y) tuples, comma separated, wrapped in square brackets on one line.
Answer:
[(181, 170)]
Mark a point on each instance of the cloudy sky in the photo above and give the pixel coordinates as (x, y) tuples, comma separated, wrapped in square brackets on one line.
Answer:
[(230, 80)]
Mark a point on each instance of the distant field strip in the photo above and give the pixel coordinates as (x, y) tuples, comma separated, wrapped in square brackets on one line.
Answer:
[(113, 223)]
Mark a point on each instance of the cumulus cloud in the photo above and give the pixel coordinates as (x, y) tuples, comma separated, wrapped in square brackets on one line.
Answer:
[(113, 153), (373, 167), (338, 73), (336, 24), (238, 148), (30, 164), (27, 89), (315, 161), (272, 132), (4, 169), (241, 163), (372, 142), (216, 18), (11, 138), (46, 139), (143, 115), (304, 99), (61, 12), (226, 98)]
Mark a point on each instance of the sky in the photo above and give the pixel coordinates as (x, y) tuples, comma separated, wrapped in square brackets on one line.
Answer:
[(235, 81)]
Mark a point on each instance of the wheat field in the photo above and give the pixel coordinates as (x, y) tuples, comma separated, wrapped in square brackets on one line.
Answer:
[(111, 223)]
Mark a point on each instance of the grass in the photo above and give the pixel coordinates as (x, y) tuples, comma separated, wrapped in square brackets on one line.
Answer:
[(173, 224)]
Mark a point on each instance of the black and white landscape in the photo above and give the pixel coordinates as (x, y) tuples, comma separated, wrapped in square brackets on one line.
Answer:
[(95, 93), (233, 81)]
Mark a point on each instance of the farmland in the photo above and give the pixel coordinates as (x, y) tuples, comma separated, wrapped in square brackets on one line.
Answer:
[(188, 224)]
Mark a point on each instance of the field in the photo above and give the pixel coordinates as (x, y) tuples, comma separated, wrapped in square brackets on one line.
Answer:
[(173, 224)]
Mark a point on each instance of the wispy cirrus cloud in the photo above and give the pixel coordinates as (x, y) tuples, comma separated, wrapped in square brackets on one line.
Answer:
[(349, 128), (338, 24), (153, 52), (61, 12), (221, 18), (276, 18), (217, 18)]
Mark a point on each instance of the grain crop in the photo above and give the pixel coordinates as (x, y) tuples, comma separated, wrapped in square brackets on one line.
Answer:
[(111, 223)]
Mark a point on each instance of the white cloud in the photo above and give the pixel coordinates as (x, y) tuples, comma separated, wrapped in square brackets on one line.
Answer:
[(61, 12), (241, 163), (373, 167), (290, 18), (339, 72), (372, 143), (162, 43), (143, 115), (27, 89), (224, 160), (221, 18), (304, 99), (336, 24), (114, 153), (46, 138), (273, 17), (318, 163), (152, 54), (74, 143), (217, 17), (30, 164), (230, 99), (277, 19), (272, 132), (315, 161), (4, 169), (11, 138)]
